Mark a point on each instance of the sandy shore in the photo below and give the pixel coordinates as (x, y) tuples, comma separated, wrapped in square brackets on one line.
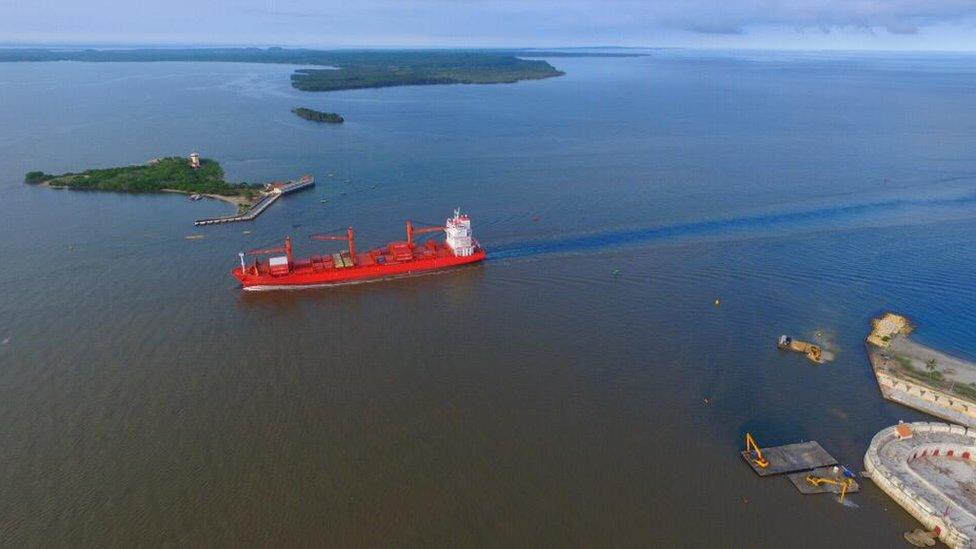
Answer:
[(238, 200)]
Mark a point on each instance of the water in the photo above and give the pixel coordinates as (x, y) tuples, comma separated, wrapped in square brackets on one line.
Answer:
[(536, 399)]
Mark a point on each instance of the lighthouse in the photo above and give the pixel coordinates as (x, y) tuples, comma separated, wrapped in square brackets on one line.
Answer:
[(194, 160)]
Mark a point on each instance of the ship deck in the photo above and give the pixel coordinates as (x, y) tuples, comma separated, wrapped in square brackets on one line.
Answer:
[(395, 253)]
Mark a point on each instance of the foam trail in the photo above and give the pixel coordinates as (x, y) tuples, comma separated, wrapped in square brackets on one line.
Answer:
[(779, 221)]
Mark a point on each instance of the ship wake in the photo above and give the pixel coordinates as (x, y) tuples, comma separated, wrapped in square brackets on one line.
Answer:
[(888, 212)]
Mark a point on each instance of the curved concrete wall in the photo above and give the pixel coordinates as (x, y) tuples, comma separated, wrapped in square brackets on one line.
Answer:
[(908, 494)]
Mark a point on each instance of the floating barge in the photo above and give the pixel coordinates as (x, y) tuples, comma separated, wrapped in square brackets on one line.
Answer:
[(813, 352), (273, 192), (825, 480), (791, 458)]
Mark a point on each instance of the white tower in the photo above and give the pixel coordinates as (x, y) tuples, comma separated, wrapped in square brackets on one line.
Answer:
[(458, 231), (194, 160)]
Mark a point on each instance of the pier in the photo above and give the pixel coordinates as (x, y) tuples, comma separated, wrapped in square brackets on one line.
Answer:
[(275, 191)]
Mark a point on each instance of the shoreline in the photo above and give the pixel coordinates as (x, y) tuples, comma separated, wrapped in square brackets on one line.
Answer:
[(918, 376), (234, 200)]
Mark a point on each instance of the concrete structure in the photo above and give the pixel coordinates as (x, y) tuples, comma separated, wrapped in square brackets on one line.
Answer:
[(887, 327), (255, 211), (194, 160), (920, 377), (275, 191), (922, 397), (928, 468)]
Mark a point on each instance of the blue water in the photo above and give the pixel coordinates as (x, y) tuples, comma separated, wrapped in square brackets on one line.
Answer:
[(536, 399)]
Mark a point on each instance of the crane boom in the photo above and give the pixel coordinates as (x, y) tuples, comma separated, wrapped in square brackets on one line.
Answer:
[(844, 484), (755, 452), (412, 231), (350, 237), (285, 249)]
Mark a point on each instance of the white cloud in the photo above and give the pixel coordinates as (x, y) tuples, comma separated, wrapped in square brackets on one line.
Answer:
[(487, 23)]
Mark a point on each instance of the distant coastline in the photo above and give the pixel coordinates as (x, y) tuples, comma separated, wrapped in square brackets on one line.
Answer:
[(350, 69)]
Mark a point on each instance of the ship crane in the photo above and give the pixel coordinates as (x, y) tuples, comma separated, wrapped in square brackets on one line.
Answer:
[(286, 249), (411, 231), (350, 237)]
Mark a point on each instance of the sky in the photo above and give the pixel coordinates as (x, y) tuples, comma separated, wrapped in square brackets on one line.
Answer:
[(761, 24)]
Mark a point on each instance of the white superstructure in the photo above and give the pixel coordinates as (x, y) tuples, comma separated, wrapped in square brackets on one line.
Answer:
[(458, 231)]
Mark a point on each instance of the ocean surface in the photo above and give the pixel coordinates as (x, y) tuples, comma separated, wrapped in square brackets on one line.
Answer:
[(553, 396)]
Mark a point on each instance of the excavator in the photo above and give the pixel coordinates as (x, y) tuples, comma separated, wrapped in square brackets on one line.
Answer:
[(844, 484), (813, 352), (755, 452)]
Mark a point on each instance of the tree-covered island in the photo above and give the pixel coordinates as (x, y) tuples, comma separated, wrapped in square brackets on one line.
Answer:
[(158, 175), (318, 116), (346, 69)]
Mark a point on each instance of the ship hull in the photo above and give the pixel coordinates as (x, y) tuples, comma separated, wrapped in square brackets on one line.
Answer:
[(306, 276)]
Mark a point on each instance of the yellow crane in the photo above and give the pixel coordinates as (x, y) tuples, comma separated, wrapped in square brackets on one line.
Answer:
[(845, 484), (755, 452)]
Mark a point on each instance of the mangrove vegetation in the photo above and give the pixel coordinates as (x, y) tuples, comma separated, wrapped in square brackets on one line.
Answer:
[(157, 175), (318, 116), (346, 69)]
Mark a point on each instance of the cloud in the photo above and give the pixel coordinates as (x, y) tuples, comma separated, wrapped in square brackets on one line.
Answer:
[(736, 16), (488, 22)]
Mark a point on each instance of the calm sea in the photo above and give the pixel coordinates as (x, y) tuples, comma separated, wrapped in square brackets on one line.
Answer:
[(538, 399)]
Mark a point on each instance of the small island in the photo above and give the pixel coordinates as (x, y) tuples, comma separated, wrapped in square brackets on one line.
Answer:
[(318, 116), (196, 176)]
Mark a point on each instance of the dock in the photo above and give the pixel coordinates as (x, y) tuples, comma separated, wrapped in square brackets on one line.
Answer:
[(275, 191), (791, 458)]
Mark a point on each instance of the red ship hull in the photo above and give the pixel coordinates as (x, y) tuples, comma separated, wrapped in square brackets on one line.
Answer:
[(396, 260)]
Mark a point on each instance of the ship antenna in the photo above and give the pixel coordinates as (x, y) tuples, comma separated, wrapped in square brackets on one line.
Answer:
[(241, 255), (457, 212)]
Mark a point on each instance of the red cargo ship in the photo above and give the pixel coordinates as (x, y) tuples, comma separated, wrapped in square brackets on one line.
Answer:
[(396, 259)]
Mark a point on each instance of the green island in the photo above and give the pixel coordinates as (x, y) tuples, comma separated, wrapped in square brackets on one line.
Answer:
[(318, 116), (346, 69), (170, 174)]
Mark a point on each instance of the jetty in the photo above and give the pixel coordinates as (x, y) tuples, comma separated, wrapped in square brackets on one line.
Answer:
[(920, 377), (928, 469), (273, 191)]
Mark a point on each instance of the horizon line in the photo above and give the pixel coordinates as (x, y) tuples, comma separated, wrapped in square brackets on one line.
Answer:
[(243, 45)]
